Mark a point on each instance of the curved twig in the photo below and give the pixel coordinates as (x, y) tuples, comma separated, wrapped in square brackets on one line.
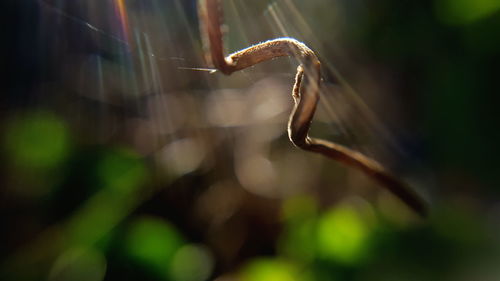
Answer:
[(305, 95)]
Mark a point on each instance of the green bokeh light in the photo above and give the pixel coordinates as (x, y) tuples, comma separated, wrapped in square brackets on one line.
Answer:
[(297, 208), (343, 235), (298, 241), (191, 263), (79, 264), (153, 243), (37, 140), (91, 223), (122, 170), (300, 215), (465, 11), (269, 269)]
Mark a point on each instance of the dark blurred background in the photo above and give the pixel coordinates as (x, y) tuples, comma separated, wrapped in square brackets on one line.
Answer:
[(122, 160)]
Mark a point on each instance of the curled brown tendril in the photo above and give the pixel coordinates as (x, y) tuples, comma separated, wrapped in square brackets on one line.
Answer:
[(305, 95)]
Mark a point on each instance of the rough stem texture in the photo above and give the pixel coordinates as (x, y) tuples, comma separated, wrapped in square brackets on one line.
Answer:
[(305, 95)]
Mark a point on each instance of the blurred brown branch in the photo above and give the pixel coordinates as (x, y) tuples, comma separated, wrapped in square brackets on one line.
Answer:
[(305, 94)]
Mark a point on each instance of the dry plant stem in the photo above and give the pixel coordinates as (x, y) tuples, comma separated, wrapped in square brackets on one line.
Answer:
[(305, 95)]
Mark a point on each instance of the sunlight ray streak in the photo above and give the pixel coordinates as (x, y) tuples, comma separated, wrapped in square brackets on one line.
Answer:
[(122, 14), (372, 121), (241, 30)]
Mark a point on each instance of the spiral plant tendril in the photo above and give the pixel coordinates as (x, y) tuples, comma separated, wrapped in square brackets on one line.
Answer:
[(305, 95)]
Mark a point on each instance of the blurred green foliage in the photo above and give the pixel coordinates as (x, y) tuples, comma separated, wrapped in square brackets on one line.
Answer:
[(465, 11), (79, 264), (152, 243), (300, 216), (37, 145), (270, 269), (121, 171), (343, 235), (37, 140), (191, 263)]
